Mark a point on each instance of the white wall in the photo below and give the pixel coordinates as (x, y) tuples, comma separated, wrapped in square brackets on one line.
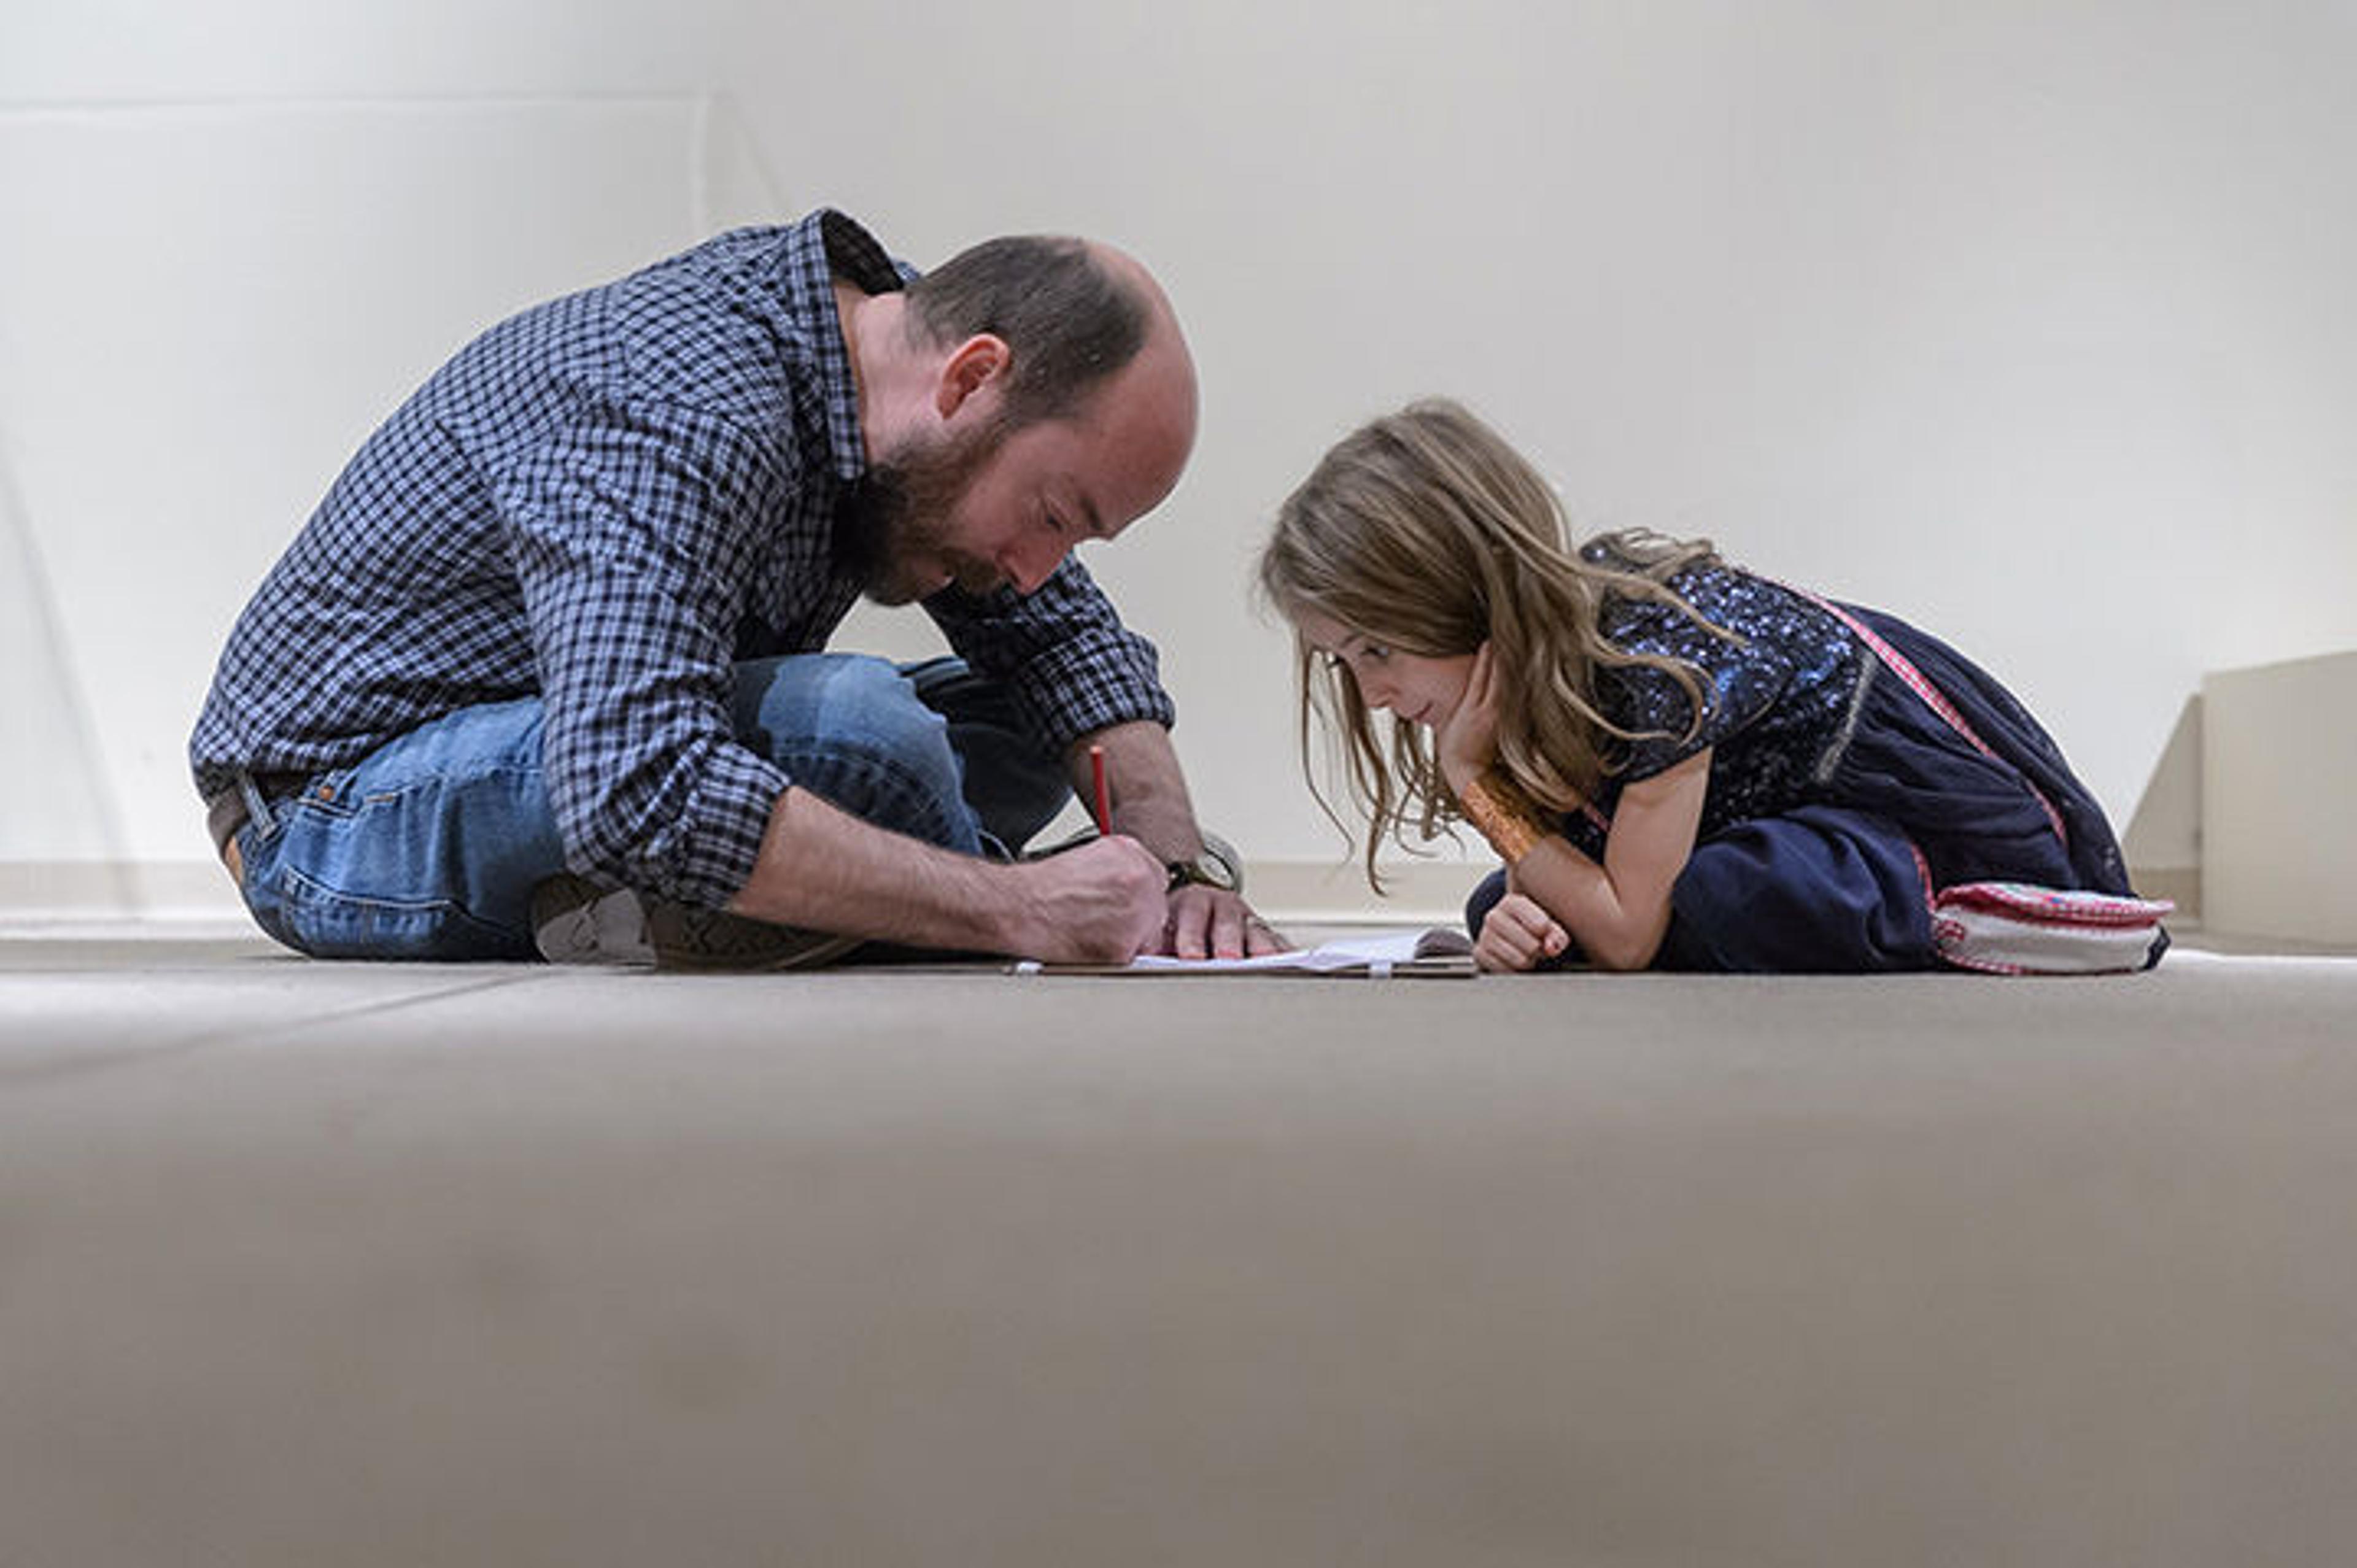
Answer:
[(234, 243), (2029, 320)]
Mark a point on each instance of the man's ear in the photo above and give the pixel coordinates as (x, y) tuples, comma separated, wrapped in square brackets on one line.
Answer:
[(972, 368)]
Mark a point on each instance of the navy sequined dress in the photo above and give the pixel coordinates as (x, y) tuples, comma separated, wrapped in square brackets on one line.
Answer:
[(1840, 799)]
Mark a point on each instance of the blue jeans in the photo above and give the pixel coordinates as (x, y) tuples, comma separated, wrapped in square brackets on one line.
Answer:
[(430, 846)]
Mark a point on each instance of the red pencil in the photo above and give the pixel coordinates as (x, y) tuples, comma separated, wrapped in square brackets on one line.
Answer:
[(1104, 802)]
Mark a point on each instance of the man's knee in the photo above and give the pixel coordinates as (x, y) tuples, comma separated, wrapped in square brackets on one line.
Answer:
[(1015, 784), (852, 729)]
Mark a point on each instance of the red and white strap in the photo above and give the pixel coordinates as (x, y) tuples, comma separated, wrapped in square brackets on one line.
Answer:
[(1904, 668)]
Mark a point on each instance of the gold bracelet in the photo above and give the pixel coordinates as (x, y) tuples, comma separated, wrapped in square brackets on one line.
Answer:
[(1499, 812), (1512, 798)]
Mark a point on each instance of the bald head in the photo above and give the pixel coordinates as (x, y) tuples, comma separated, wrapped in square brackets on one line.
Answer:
[(1071, 313), (1028, 394), (1148, 407)]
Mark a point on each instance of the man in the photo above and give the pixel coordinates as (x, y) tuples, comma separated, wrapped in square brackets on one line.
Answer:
[(544, 672)]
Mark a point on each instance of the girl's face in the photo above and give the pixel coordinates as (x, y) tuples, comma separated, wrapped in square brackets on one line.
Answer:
[(1418, 688)]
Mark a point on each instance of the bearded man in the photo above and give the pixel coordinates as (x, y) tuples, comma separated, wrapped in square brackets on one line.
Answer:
[(546, 672)]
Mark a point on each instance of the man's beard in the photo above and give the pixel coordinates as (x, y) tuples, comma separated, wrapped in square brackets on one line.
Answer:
[(894, 532)]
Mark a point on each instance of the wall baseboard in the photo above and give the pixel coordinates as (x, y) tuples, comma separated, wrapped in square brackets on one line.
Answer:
[(115, 890), (1416, 892), (2181, 884)]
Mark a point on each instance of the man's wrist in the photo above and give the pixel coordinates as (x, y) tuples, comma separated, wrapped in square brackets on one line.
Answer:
[(1218, 867)]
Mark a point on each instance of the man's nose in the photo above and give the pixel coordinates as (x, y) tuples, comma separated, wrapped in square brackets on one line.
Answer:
[(1029, 564)]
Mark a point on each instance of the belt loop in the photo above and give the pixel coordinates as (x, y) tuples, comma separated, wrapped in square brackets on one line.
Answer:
[(257, 808)]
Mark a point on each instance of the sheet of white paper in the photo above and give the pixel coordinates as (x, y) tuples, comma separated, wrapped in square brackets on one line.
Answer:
[(1371, 950)]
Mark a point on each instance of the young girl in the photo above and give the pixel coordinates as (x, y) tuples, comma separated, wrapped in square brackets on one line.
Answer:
[(1683, 766)]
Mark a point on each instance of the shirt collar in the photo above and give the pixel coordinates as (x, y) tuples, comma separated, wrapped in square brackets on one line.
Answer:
[(820, 248)]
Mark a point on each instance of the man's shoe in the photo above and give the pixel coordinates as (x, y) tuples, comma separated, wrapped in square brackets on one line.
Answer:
[(715, 940), (575, 920)]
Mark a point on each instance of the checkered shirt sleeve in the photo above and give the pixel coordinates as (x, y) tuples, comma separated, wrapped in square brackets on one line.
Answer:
[(633, 582), (1071, 664)]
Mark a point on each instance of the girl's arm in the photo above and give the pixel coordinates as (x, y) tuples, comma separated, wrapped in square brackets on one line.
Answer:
[(1618, 912)]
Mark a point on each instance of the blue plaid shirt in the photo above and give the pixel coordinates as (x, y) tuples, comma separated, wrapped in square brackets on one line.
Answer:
[(607, 501)]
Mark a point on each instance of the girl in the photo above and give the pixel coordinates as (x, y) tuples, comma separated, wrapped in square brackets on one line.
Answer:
[(1683, 765)]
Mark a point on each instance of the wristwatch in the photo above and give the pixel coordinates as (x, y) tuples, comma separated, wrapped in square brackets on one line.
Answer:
[(1218, 866)]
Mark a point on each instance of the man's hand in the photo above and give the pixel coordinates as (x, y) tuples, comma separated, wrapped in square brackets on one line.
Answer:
[(1204, 922), (1150, 801), (826, 870), (1101, 903)]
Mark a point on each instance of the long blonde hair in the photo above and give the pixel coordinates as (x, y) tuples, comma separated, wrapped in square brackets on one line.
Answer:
[(1425, 531)]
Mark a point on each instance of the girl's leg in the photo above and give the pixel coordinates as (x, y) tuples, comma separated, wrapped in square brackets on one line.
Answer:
[(1819, 890), (1485, 899)]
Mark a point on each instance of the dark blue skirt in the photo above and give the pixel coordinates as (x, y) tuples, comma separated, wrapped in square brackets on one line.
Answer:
[(1842, 881)]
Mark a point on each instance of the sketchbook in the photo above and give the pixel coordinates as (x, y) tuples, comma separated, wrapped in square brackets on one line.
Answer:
[(1439, 953)]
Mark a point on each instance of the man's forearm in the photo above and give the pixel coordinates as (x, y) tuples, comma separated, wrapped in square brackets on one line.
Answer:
[(1149, 792), (1150, 805), (824, 868)]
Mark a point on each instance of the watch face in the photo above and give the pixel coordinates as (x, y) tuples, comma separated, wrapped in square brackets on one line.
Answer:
[(1207, 871), (1217, 866)]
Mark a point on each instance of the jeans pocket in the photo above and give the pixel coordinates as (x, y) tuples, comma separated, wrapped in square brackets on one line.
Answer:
[(314, 919)]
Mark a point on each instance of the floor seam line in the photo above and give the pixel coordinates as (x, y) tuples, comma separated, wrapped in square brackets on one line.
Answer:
[(53, 1073)]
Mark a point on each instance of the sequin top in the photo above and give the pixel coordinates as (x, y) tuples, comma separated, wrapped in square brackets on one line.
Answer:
[(1782, 694)]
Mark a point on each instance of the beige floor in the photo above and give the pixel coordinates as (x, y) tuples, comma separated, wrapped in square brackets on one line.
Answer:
[(313, 1264)]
